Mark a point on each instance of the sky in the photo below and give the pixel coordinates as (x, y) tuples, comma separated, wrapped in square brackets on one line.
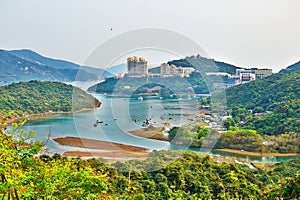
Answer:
[(246, 33)]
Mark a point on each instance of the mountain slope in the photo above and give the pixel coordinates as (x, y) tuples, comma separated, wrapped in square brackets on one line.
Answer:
[(26, 65), (56, 63), (279, 93), (15, 69), (265, 92), (117, 68), (294, 68), (34, 57), (38, 97)]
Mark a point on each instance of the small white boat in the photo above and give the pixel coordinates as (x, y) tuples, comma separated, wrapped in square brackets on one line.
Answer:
[(98, 121), (140, 98)]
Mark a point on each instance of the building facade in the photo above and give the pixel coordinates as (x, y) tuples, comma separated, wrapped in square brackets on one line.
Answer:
[(171, 70), (137, 67)]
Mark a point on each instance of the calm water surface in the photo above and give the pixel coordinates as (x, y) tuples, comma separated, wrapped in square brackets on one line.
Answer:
[(119, 115)]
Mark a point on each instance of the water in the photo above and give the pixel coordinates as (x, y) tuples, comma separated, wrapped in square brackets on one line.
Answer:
[(120, 115)]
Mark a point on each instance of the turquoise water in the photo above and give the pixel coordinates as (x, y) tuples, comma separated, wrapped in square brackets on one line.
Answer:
[(120, 115)]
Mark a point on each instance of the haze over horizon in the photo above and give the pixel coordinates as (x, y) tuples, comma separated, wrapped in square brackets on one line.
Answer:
[(246, 34)]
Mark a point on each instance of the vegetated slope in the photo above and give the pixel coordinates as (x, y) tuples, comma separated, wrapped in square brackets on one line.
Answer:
[(279, 93), (266, 93), (34, 57), (294, 68), (39, 97), (15, 69), (284, 118), (61, 64), (189, 176), (26, 65), (175, 85)]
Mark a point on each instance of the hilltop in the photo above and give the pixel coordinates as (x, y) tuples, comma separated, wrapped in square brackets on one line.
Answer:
[(203, 63)]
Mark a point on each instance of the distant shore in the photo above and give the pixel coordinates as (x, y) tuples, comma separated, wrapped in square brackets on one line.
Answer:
[(48, 113), (156, 134), (97, 144), (256, 154)]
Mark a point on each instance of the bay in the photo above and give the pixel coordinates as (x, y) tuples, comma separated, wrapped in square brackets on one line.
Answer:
[(122, 114)]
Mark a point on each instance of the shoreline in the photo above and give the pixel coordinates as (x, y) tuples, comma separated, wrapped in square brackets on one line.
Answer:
[(142, 132), (48, 113), (98, 144), (256, 154), (109, 155)]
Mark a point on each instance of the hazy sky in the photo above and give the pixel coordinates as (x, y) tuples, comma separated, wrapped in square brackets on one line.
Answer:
[(247, 33)]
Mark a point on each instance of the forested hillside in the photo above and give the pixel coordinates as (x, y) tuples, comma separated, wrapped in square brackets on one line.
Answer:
[(201, 62), (274, 102), (177, 85), (39, 97), (189, 176), (265, 92)]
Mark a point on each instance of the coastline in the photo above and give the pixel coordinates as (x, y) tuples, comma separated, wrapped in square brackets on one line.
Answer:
[(48, 113), (97, 144), (155, 133), (256, 154), (113, 154)]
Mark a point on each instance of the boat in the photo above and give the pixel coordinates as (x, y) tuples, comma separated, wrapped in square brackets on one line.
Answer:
[(98, 121), (140, 98)]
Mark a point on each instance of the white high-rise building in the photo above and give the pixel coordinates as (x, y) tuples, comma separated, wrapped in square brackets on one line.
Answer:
[(137, 66)]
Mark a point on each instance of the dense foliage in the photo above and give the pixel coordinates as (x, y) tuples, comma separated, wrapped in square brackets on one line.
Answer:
[(265, 93), (205, 62), (189, 176), (39, 97), (235, 138), (189, 135), (270, 105), (284, 118)]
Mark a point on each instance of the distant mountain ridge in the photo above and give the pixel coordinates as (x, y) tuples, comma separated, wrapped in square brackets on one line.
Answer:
[(26, 65), (34, 57), (117, 68)]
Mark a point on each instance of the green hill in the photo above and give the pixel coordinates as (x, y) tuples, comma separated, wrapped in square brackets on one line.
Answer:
[(278, 95), (266, 93), (171, 85), (39, 97), (201, 62)]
